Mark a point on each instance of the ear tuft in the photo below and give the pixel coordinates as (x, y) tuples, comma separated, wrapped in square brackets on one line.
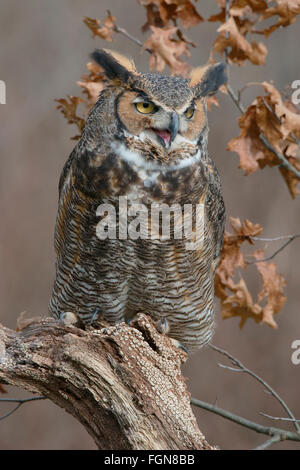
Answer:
[(123, 60), (208, 79), (115, 65), (196, 74)]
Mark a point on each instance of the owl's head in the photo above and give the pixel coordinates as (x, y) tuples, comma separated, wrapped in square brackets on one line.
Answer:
[(167, 110)]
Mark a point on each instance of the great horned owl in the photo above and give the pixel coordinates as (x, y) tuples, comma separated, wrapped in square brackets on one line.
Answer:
[(145, 141)]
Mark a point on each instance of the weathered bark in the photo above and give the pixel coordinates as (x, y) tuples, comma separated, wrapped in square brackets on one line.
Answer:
[(123, 383)]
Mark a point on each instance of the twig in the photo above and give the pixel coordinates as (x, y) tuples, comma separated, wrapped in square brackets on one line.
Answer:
[(284, 162), (269, 442), (22, 400), (125, 33), (278, 418), (274, 239), (268, 258), (268, 430), (233, 369), (269, 108), (10, 412), (235, 99), (19, 401), (238, 363)]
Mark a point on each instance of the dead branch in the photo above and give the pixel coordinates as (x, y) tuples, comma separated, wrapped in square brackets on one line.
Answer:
[(123, 383), (268, 258), (241, 368), (19, 401), (276, 434), (280, 434)]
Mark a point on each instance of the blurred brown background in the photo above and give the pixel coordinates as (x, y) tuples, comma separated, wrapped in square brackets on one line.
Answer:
[(44, 49)]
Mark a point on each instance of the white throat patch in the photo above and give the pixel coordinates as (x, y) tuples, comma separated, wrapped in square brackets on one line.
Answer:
[(147, 170)]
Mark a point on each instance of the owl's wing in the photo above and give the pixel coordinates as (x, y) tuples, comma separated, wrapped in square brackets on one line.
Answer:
[(86, 179), (66, 170), (92, 172), (215, 209)]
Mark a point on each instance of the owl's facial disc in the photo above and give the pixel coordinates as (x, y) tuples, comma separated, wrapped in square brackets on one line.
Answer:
[(147, 119)]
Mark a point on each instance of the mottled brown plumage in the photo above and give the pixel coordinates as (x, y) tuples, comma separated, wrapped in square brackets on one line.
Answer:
[(145, 139)]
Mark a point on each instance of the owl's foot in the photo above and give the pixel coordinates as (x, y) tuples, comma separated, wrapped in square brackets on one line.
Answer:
[(177, 344), (163, 327), (69, 319), (95, 316)]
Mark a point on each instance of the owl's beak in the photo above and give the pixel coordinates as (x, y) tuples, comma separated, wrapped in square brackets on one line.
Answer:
[(174, 126), (166, 136)]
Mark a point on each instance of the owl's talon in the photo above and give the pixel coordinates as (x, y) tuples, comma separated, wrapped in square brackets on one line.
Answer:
[(69, 318), (184, 348), (179, 345), (162, 326), (130, 320), (94, 316)]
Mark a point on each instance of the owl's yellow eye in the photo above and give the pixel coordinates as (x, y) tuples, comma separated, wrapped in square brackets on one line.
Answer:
[(146, 107), (189, 113)]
